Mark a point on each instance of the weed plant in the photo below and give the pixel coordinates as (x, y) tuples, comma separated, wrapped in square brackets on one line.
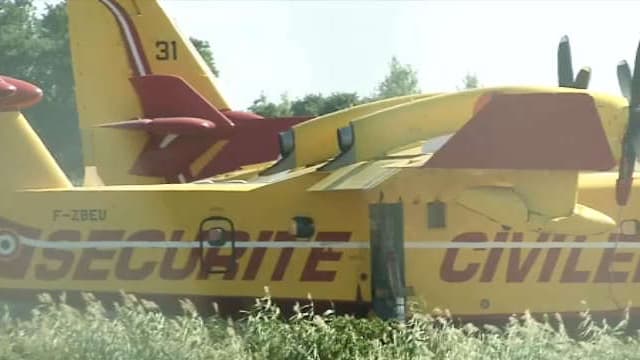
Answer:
[(137, 329)]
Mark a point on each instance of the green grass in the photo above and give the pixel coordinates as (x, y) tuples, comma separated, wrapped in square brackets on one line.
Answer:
[(136, 329)]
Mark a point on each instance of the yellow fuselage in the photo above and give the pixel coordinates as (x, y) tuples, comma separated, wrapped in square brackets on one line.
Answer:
[(468, 281)]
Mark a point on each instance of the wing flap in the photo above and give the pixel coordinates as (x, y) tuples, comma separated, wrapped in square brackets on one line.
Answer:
[(500, 204), (505, 206), (359, 176), (583, 220)]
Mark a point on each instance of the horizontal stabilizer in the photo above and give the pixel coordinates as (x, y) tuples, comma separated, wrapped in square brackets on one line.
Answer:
[(164, 96), (177, 125), (173, 157), (535, 131)]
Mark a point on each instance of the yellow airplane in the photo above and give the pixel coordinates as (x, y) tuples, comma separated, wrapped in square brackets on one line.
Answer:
[(486, 202)]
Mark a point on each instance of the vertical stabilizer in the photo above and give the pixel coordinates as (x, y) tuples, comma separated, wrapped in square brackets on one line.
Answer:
[(27, 162), (116, 45), (25, 159), (149, 108)]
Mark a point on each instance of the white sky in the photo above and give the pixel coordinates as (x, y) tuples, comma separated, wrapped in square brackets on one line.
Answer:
[(325, 46)]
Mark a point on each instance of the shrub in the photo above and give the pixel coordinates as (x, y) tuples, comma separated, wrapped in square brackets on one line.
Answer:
[(137, 329)]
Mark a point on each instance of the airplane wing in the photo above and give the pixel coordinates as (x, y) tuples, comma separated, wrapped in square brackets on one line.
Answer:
[(557, 134), (360, 176), (312, 142), (530, 131), (536, 142)]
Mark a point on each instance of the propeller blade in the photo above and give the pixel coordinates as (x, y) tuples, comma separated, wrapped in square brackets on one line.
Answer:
[(635, 83), (631, 139), (630, 151), (582, 79), (623, 189), (624, 79), (625, 172), (565, 67)]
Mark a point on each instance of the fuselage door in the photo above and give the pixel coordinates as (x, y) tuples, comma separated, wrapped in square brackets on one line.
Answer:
[(387, 260)]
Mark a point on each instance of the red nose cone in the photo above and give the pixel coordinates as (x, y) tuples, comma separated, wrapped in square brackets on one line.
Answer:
[(24, 94)]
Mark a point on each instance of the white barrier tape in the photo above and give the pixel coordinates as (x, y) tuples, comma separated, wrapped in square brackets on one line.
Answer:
[(119, 244)]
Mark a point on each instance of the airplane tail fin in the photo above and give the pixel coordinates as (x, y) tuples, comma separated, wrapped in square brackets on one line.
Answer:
[(131, 63), (26, 160)]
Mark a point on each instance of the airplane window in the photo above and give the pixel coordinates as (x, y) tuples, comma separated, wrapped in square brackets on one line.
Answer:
[(215, 236), (436, 215)]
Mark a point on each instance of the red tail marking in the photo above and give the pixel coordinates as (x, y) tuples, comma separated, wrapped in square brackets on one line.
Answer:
[(171, 96), (135, 51), (250, 142), (253, 142)]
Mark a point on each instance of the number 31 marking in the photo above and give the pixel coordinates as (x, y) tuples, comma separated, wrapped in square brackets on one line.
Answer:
[(167, 50)]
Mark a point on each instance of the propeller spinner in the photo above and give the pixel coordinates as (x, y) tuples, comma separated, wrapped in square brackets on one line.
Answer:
[(565, 68), (630, 87)]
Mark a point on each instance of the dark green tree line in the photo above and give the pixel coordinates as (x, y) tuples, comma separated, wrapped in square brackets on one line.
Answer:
[(400, 80)]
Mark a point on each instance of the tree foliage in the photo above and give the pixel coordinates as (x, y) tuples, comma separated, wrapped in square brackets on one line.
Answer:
[(269, 109), (317, 104), (36, 48), (400, 80), (18, 38), (470, 81), (309, 105), (338, 101), (204, 48)]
